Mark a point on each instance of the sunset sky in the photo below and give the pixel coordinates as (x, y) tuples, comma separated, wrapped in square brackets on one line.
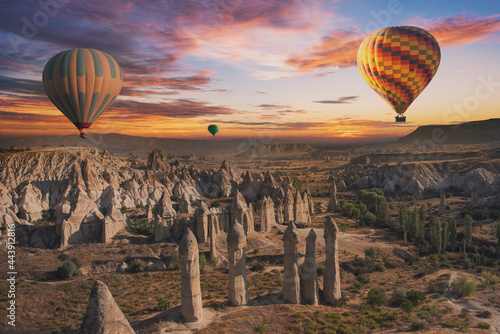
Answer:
[(273, 68)]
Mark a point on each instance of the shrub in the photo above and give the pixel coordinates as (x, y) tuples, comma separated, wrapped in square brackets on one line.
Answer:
[(415, 297), (214, 260), (379, 267), (260, 328), (464, 286), (203, 261), (372, 252), (175, 198), (221, 194), (495, 214), (377, 296), (479, 215), (137, 266), (398, 296), (164, 304), (258, 267), (484, 325), (407, 306), (175, 260), (465, 212), (123, 209), (68, 270), (215, 204), (419, 326), (320, 270)]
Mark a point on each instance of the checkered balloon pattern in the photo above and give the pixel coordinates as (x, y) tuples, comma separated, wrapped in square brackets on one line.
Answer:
[(398, 63)]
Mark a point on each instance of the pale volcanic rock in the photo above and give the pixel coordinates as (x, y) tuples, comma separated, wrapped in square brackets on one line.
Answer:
[(191, 304), (114, 221), (331, 282), (162, 228), (237, 282), (291, 280), (103, 315), (201, 221), (249, 188), (164, 207), (269, 186), (288, 204), (310, 203), (267, 216), (241, 212), (309, 288), (279, 212), (158, 161), (29, 204), (185, 205)]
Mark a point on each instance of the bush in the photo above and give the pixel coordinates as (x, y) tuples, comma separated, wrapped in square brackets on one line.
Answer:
[(175, 198), (215, 204), (164, 304), (372, 252), (260, 328), (484, 325), (377, 296), (175, 259), (137, 266), (68, 270), (415, 297), (465, 212), (203, 261), (407, 306), (419, 326), (478, 215), (221, 194), (124, 209), (495, 214), (379, 267), (368, 218), (464, 286), (320, 270), (258, 267), (214, 260), (398, 297)]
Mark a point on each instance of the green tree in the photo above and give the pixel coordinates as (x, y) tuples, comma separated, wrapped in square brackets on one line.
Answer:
[(444, 235), (435, 234), (468, 230), (175, 259), (203, 261), (452, 233), (464, 286)]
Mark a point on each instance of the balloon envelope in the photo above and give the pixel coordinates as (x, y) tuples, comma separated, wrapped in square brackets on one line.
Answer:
[(213, 129), (82, 84), (398, 63)]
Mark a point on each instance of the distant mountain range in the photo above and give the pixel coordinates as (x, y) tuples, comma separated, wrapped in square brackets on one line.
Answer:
[(278, 149), (476, 132)]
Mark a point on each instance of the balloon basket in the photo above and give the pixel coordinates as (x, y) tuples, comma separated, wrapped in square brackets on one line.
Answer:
[(400, 118)]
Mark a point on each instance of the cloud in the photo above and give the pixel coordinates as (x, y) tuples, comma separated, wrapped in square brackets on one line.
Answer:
[(181, 83), (21, 86), (259, 92), (463, 29), (339, 49), (340, 100), (272, 106)]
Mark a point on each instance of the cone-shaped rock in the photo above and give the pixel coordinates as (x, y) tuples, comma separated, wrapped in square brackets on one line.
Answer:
[(309, 275), (238, 286), (191, 306), (291, 281), (103, 316), (331, 283)]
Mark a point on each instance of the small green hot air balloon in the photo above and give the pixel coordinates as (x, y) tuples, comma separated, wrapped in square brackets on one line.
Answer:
[(213, 129)]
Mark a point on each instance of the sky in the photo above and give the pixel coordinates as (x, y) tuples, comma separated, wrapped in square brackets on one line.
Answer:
[(265, 69)]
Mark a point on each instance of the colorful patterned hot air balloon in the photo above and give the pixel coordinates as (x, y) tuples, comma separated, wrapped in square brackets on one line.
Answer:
[(213, 129), (398, 63), (82, 84)]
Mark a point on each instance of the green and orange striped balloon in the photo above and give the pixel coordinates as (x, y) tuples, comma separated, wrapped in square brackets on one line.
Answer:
[(82, 84), (398, 63)]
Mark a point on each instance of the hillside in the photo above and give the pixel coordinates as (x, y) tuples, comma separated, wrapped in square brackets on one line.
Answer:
[(278, 149), (466, 133), (123, 144)]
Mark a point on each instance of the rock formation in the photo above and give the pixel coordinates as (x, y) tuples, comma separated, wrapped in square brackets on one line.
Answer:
[(333, 203), (191, 305), (291, 281), (213, 229), (267, 216), (309, 276), (474, 199), (288, 214), (238, 286), (331, 282), (442, 205), (241, 212), (279, 212), (103, 315), (201, 221), (158, 161), (310, 203)]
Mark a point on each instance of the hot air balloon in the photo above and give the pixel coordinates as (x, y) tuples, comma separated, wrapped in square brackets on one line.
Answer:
[(213, 129), (398, 63), (82, 84)]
